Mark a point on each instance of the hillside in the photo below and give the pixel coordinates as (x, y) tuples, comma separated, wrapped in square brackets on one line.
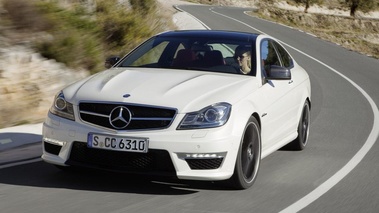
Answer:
[(360, 34), (330, 21), (45, 46)]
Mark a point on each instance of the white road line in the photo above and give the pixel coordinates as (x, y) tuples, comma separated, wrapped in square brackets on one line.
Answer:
[(357, 158)]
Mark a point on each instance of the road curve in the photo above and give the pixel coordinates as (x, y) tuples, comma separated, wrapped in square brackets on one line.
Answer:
[(344, 107), (334, 60)]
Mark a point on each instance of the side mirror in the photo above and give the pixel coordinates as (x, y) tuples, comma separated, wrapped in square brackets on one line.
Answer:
[(275, 72), (110, 61)]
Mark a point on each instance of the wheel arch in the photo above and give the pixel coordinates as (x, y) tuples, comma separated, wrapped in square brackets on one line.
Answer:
[(309, 102), (257, 117), (305, 99)]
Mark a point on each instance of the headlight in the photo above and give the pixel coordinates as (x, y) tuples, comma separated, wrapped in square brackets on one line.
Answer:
[(62, 108), (212, 116)]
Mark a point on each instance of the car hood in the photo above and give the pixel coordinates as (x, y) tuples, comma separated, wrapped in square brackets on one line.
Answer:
[(181, 89)]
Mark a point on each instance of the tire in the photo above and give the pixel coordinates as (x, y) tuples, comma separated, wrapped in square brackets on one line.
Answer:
[(303, 129), (249, 156)]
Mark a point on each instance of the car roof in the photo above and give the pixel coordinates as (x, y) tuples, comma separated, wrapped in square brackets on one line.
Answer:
[(222, 34)]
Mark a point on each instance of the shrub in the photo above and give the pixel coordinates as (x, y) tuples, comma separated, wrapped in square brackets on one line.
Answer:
[(75, 41), (123, 28), (25, 15), (81, 38)]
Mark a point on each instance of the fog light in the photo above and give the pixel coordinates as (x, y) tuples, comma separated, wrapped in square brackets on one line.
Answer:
[(54, 141), (185, 156)]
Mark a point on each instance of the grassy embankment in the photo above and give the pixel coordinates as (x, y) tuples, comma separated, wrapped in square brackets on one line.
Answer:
[(79, 35), (356, 34)]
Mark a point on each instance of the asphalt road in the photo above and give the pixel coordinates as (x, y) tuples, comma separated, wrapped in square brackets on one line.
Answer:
[(337, 172)]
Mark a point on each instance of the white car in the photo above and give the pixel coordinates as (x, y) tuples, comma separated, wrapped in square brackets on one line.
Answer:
[(197, 105)]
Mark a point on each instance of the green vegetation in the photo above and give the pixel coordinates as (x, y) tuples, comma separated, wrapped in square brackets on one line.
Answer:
[(362, 5), (308, 3), (352, 33), (82, 36), (353, 5)]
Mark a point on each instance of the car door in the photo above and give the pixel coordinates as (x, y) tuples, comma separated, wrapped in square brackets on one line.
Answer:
[(279, 117)]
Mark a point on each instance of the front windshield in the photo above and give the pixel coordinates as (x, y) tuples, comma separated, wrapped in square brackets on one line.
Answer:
[(215, 55)]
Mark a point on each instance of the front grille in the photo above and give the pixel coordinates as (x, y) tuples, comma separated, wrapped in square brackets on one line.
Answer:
[(153, 162), (200, 164), (52, 148), (142, 117)]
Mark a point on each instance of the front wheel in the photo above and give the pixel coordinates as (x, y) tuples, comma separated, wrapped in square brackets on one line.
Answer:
[(303, 129), (249, 156)]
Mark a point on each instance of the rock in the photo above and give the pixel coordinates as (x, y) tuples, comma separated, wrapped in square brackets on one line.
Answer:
[(28, 83)]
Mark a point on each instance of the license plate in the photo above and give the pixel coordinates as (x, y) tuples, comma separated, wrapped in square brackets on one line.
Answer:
[(118, 143)]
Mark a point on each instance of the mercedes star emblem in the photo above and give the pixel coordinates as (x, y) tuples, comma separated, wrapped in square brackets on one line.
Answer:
[(120, 117)]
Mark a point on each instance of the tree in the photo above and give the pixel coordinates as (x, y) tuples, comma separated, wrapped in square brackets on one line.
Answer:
[(362, 5), (308, 3)]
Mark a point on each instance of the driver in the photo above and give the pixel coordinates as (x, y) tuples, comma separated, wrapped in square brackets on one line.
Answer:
[(242, 55)]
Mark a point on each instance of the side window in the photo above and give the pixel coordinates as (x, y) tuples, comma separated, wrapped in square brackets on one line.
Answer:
[(268, 56), (286, 58)]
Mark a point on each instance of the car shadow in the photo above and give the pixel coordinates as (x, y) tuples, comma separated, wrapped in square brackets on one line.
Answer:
[(44, 175)]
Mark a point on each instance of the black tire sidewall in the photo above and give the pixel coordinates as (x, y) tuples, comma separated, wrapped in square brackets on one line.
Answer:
[(240, 181), (299, 143)]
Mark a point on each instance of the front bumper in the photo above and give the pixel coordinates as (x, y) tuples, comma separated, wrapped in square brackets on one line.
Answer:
[(207, 154)]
